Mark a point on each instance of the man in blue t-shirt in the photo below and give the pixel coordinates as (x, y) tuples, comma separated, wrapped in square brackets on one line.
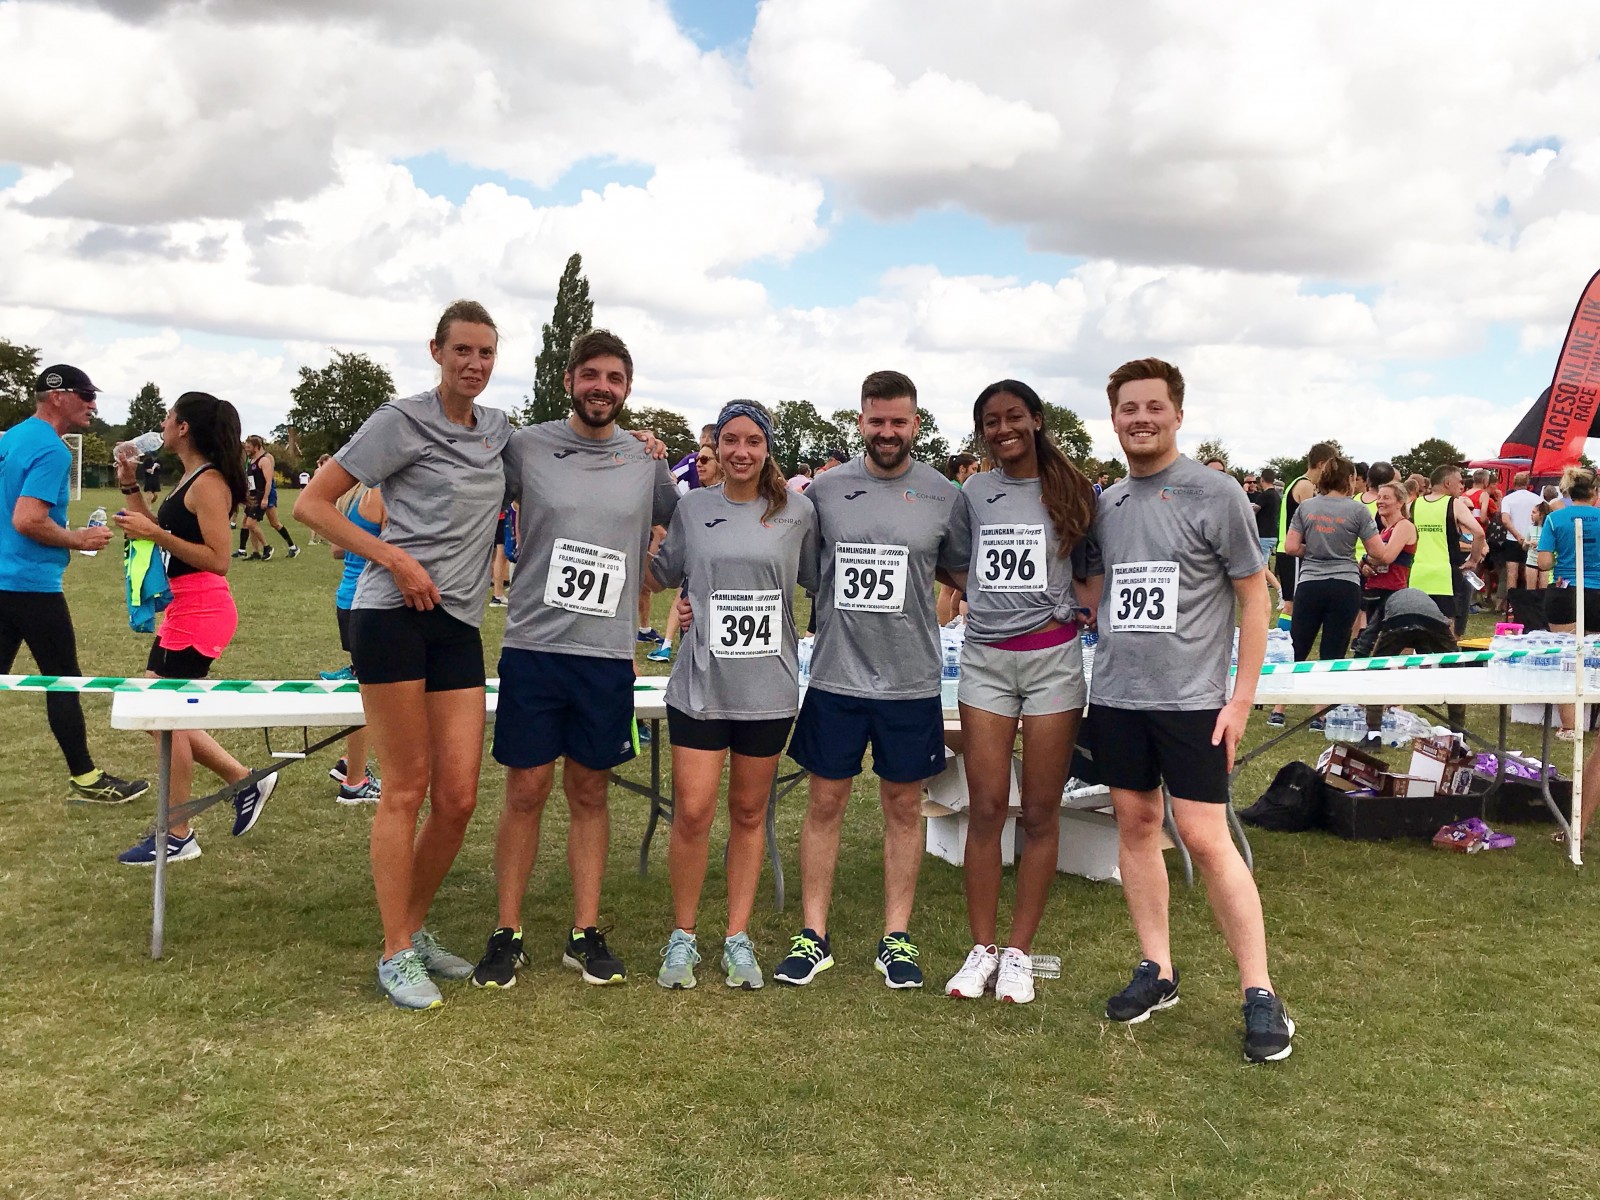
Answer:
[(35, 547)]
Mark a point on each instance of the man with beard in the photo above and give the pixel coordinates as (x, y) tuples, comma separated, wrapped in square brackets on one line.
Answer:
[(886, 526), (589, 493)]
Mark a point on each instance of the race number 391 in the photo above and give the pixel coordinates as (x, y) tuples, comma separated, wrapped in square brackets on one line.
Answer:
[(585, 579), (1143, 599)]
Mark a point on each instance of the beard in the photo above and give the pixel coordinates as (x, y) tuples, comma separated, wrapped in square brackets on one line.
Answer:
[(888, 458), (580, 408)]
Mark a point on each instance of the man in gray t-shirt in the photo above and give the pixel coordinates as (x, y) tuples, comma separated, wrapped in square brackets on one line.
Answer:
[(887, 525), (1181, 554), (587, 495)]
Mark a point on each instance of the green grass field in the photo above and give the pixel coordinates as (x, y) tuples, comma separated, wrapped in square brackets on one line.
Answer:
[(1446, 1042)]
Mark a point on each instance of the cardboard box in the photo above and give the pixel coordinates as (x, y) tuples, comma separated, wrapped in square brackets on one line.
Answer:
[(1354, 767), (1088, 845), (1442, 760), (948, 788), (947, 835)]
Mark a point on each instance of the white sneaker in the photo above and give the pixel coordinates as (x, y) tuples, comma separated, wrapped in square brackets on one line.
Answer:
[(1015, 982), (976, 975)]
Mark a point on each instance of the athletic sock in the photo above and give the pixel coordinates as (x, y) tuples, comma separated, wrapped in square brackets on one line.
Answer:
[(284, 530), (244, 537), (88, 778)]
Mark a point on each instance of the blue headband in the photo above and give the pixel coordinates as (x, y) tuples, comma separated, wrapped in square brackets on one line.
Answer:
[(739, 408)]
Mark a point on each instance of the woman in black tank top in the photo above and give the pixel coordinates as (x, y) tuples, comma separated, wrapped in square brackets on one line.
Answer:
[(192, 532)]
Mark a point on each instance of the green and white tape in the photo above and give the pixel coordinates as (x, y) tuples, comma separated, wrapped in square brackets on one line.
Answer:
[(251, 687)]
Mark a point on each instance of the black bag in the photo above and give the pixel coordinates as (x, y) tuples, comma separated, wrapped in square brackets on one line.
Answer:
[(1296, 801)]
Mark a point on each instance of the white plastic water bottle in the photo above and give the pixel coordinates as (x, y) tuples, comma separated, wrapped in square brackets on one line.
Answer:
[(97, 520), (145, 443), (804, 655), (950, 677), (1389, 729), (1355, 723)]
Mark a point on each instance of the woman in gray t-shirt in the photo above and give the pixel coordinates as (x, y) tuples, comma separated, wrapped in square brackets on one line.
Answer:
[(414, 628), (738, 551), (1022, 663), (1323, 535)]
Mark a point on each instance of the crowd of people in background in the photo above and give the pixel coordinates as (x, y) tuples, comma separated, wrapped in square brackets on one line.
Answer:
[(440, 511)]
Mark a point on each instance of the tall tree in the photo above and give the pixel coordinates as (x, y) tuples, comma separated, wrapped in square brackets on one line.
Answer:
[(930, 446), (1068, 431), (844, 431), (331, 403), (573, 315), (797, 430), (1422, 458), (1212, 448), (19, 371), (671, 427), (146, 411)]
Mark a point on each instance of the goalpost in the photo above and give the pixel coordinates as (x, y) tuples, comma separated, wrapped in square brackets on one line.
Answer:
[(74, 443)]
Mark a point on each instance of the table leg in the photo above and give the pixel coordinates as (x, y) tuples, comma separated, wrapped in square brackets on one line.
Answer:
[(656, 798), (1544, 777), (772, 845), (158, 919), (1170, 823)]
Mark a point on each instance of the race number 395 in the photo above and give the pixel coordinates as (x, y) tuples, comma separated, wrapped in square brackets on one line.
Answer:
[(1143, 599), (869, 578)]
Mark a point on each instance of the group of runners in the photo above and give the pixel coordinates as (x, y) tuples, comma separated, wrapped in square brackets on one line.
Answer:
[(1157, 564)]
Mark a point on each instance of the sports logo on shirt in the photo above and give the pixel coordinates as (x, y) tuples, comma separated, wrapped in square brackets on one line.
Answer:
[(993, 498), (714, 524), (914, 496), (853, 495), (564, 453), (1182, 493)]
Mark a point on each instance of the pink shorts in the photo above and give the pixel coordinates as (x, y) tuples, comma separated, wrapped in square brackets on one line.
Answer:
[(201, 616)]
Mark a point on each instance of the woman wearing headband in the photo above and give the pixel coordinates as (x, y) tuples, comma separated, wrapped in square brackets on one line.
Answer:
[(738, 551)]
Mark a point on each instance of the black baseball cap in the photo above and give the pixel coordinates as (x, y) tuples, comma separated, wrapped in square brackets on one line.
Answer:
[(838, 455), (63, 378)]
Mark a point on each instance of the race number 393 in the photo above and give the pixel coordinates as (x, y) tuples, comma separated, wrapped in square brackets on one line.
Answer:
[(585, 579), (869, 578), (1143, 599)]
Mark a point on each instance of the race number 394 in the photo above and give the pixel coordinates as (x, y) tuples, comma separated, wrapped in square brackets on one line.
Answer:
[(1144, 598)]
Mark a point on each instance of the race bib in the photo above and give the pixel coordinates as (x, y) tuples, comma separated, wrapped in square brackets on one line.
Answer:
[(746, 624), (1144, 598), (1011, 558), (868, 578), (585, 579)]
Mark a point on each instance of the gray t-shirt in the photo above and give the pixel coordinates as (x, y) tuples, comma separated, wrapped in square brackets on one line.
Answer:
[(1330, 527), (877, 630), (442, 486), (1173, 544), (1016, 580), (585, 509), (738, 662), (1412, 603)]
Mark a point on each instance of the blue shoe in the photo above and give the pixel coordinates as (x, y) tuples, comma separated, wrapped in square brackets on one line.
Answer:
[(649, 635), (248, 803), (897, 961), (404, 979), (662, 653), (678, 959), (809, 956), (345, 672), (144, 853)]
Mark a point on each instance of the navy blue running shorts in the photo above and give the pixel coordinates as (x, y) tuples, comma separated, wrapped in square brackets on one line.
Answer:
[(831, 735), (1137, 749), (563, 706)]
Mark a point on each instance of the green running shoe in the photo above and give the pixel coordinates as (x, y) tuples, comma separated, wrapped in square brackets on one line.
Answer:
[(404, 979), (678, 959), (739, 963)]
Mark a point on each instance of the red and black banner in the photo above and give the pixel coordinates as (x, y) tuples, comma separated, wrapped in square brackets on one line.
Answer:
[(1574, 395)]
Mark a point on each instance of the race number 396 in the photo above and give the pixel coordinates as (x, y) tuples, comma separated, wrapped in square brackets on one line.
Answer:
[(1143, 599)]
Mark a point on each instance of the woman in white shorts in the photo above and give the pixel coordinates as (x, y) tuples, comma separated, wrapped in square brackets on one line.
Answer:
[(1022, 663)]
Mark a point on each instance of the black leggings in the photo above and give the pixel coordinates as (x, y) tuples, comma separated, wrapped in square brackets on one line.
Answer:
[(41, 620), (1328, 606)]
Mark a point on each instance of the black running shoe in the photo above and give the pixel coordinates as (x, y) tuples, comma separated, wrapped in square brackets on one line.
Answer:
[(498, 966), (587, 952), (266, 555), (1267, 1027), (108, 789), (897, 961), (809, 956), (1144, 994)]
